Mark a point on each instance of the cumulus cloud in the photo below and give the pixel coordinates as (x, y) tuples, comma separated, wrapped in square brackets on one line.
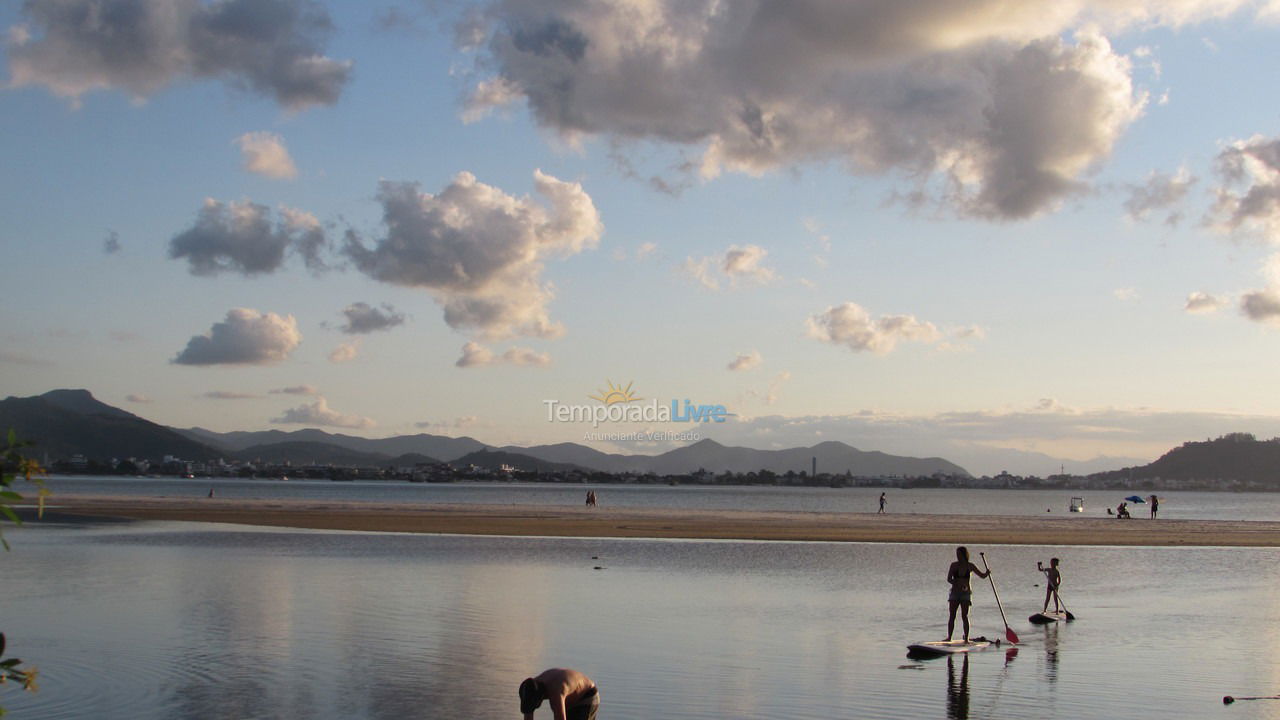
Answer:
[(1248, 197), (229, 395), (319, 413), (264, 153), (245, 337), (851, 325), (737, 265), (1160, 193), (363, 318), (1262, 306), (479, 251), (139, 47), (1203, 303), (295, 390), (345, 352), (1001, 109), (111, 245), (239, 237), (476, 355), (746, 361)]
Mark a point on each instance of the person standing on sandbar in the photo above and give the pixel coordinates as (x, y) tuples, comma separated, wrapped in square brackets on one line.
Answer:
[(881, 504), (572, 695), (961, 593)]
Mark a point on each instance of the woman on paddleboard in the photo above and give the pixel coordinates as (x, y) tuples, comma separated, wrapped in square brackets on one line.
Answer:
[(961, 594)]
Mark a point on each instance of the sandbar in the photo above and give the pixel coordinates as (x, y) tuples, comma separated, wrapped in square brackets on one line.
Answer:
[(614, 522)]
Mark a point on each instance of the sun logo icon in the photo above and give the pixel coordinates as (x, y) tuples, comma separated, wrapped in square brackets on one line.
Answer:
[(615, 394)]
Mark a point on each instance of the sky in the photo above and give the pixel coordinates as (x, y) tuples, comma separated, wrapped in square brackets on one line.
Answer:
[(1020, 236)]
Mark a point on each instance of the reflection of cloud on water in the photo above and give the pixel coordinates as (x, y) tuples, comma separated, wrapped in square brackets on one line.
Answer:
[(357, 630)]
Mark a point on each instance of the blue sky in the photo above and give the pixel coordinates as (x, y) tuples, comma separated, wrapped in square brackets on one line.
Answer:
[(1013, 237)]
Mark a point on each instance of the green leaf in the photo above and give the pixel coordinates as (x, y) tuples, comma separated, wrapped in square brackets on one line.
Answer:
[(10, 495), (9, 513)]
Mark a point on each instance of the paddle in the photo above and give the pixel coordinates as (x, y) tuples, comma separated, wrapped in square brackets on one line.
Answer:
[(1070, 615), (1009, 634)]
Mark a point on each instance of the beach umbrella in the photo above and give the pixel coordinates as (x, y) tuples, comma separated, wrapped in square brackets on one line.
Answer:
[(1135, 499)]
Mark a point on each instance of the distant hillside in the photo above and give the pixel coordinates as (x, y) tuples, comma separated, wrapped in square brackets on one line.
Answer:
[(310, 453), (495, 459), (63, 423), (433, 446), (832, 457), (1238, 456)]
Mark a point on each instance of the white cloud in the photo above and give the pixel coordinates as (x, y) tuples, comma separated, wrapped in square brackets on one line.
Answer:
[(319, 413), (270, 47), (851, 325), (487, 95), (480, 251), (111, 245), (775, 387), (476, 355), (645, 250), (229, 395), (1160, 192), (1125, 294), (737, 265), (1262, 306), (458, 423), (137, 398), (1203, 303), (245, 337), (239, 237), (363, 318), (1001, 108), (295, 390), (11, 357), (1248, 198), (345, 352), (746, 361), (264, 153)]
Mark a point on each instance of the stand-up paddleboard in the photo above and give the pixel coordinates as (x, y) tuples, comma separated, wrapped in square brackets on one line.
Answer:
[(1049, 617), (945, 647)]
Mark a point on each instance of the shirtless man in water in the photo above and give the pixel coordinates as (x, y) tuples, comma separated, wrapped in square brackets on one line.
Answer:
[(571, 694), (961, 593)]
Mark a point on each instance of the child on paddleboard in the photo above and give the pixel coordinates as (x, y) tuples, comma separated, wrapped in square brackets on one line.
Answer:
[(1053, 579)]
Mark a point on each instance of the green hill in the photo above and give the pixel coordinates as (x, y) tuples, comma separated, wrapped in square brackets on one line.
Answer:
[(63, 423), (1237, 456)]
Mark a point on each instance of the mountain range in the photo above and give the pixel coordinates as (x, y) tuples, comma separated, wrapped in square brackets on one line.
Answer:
[(66, 422)]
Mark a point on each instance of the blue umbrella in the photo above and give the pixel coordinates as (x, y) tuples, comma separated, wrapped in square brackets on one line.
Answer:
[(1134, 499)]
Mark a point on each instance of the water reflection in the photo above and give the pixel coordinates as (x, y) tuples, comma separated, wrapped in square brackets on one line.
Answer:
[(958, 689)]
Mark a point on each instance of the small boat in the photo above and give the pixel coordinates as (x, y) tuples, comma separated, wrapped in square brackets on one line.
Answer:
[(1077, 504)]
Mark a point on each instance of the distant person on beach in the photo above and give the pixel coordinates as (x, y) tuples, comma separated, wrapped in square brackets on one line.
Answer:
[(591, 498), (1155, 506), (572, 695), (210, 492), (881, 504), (961, 594), (1122, 511), (1053, 580)]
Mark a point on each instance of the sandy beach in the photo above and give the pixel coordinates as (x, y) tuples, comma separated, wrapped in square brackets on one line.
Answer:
[(542, 520)]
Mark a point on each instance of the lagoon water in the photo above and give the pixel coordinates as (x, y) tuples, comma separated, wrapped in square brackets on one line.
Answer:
[(1173, 504), (163, 620)]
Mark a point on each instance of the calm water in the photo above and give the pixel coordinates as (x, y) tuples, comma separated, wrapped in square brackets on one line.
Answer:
[(173, 620), (1176, 505)]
